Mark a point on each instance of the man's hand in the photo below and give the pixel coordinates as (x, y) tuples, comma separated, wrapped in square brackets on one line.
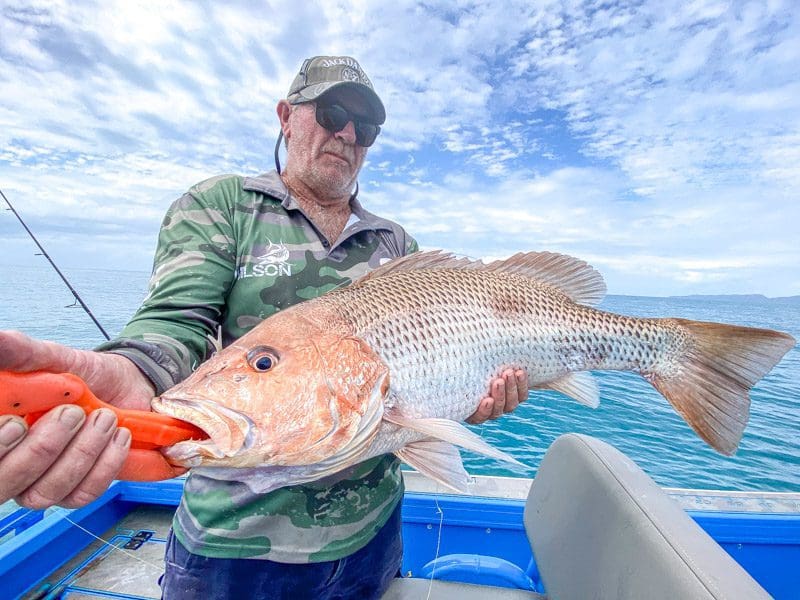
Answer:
[(506, 393), (67, 457)]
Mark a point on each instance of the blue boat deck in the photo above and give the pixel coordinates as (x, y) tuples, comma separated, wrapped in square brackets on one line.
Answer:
[(58, 555)]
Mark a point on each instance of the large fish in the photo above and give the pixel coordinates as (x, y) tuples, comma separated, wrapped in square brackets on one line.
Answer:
[(395, 362)]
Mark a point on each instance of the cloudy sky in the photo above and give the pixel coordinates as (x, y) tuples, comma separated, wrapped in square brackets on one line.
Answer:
[(660, 141)]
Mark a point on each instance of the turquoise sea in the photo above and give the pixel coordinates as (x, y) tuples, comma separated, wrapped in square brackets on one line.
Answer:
[(632, 416)]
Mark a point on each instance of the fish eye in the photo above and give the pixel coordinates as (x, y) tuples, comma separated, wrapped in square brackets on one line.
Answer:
[(262, 358)]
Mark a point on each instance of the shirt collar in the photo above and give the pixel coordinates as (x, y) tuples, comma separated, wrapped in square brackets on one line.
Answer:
[(271, 184)]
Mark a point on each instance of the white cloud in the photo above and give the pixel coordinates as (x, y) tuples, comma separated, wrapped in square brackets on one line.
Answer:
[(659, 244), (660, 144)]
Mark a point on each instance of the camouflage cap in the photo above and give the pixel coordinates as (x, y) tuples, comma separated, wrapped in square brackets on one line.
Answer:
[(320, 74)]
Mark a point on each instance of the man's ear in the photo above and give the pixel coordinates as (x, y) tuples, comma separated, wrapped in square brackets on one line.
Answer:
[(284, 109)]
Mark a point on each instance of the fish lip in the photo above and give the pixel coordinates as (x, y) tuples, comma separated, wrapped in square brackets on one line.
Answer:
[(207, 415)]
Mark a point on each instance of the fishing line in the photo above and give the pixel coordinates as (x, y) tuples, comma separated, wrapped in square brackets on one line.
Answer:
[(159, 568), (438, 545), (79, 300), (44, 253)]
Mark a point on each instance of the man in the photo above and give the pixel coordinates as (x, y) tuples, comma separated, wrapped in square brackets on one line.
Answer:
[(231, 252)]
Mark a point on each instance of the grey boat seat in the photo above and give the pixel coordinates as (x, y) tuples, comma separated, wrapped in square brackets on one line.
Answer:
[(417, 588), (600, 527)]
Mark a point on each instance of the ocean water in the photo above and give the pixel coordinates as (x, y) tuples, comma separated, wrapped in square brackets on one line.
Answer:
[(632, 416)]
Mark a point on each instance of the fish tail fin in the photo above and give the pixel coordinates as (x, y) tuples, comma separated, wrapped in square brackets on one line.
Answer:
[(710, 387)]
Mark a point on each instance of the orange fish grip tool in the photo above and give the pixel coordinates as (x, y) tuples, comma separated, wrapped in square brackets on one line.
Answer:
[(31, 395)]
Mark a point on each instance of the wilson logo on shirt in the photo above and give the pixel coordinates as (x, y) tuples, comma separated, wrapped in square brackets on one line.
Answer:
[(273, 263)]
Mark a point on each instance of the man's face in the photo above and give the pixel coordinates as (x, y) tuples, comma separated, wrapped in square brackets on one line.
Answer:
[(326, 162)]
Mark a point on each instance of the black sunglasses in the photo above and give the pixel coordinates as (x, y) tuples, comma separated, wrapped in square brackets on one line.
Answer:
[(334, 118)]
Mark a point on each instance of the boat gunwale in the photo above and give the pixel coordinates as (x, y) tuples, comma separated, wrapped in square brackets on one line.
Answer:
[(689, 499)]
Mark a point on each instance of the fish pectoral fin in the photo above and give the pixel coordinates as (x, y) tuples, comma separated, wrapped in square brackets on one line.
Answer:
[(578, 386), (449, 431), (438, 460)]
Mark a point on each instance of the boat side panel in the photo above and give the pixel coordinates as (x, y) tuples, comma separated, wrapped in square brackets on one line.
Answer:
[(31, 556), (767, 546), (437, 526)]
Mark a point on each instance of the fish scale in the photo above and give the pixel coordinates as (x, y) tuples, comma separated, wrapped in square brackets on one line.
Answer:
[(395, 362), (456, 332)]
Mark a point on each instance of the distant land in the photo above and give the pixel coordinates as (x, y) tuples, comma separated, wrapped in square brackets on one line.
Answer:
[(740, 298), (750, 298)]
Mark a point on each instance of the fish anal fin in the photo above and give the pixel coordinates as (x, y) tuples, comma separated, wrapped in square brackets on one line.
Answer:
[(581, 386), (438, 460)]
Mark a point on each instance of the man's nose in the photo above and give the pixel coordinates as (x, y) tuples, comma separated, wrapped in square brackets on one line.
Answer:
[(348, 134)]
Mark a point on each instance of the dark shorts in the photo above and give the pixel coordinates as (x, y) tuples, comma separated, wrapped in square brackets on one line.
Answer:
[(365, 574)]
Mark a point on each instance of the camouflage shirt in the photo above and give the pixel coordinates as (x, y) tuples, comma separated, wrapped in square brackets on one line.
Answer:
[(231, 252)]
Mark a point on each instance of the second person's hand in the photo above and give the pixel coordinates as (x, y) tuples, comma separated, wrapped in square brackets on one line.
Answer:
[(67, 458)]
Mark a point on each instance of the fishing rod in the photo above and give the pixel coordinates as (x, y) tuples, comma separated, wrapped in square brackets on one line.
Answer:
[(44, 253)]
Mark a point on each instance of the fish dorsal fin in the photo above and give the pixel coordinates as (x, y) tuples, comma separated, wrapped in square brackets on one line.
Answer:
[(430, 259), (574, 277), (579, 386)]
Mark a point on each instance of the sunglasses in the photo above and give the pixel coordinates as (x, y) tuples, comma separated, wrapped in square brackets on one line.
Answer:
[(334, 118)]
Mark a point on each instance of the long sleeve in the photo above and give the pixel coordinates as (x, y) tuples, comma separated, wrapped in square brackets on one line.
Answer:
[(193, 270)]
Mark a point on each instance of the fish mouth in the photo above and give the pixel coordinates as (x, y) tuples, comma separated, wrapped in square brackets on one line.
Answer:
[(230, 432)]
